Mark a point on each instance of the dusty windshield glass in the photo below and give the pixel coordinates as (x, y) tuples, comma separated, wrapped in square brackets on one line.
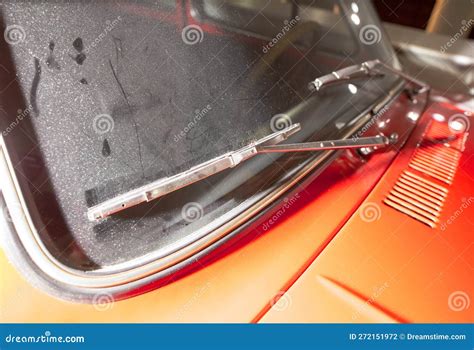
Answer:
[(123, 93)]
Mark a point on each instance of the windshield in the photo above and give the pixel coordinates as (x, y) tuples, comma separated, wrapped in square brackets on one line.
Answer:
[(121, 93)]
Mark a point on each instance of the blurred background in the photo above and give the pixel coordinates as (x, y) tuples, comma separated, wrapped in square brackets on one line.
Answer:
[(434, 40)]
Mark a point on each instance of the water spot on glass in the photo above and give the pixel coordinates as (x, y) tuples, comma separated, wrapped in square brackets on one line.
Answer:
[(106, 148)]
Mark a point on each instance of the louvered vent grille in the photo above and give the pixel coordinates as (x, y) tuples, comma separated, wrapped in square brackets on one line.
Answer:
[(421, 190)]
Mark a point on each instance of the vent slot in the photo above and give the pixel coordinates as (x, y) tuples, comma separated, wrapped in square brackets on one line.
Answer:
[(418, 198), (436, 160), (421, 190)]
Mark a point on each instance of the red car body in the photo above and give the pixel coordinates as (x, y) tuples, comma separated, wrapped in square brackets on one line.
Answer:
[(384, 237)]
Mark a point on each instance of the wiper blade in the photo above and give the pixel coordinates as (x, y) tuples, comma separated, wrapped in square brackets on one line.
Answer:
[(228, 160), (367, 68), (173, 183)]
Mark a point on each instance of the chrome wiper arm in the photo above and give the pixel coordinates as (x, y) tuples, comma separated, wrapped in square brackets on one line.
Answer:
[(228, 160), (341, 75), (367, 68), (163, 186), (375, 141)]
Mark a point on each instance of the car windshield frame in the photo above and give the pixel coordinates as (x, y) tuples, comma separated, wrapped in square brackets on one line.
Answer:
[(220, 215)]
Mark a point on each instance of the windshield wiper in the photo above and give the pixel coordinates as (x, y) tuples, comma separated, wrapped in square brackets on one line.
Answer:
[(267, 144), (367, 68), (228, 160)]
